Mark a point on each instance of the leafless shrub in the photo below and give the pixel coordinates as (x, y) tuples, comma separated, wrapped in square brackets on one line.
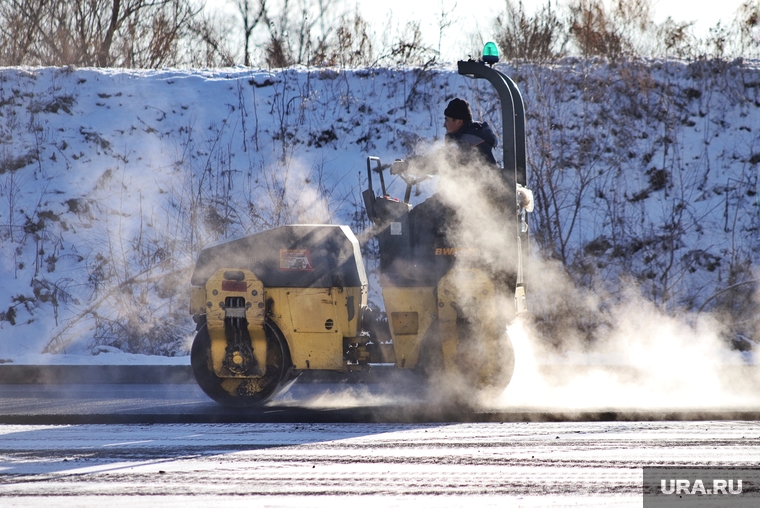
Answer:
[(748, 29), (589, 29), (634, 23), (282, 33), (676, 38), (352, 45), (315, 33), (717, 40), (408, 48), (278, 55), (537, 38), (208, 46), (594, 31)]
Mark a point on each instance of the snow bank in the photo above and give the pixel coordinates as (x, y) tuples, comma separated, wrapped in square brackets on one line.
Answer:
[(111, 181)]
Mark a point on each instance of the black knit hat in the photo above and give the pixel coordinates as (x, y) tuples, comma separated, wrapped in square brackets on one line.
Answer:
[(459, 109)]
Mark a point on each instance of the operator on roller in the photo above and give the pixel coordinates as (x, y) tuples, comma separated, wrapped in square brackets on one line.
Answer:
[(467, 161), (475, 142), (466, 134), (462, 133)]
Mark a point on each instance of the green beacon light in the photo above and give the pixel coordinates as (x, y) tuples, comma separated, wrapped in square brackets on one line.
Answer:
[(490, 53)]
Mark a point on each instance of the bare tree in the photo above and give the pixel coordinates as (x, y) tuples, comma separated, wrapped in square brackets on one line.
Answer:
[(251, 15), (18, 25), (130, 33), (158, 42)]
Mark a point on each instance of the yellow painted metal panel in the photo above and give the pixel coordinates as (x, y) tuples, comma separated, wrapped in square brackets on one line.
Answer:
[(349, 304), (297, 311), (318, 351), (405, 323), (197, 300), (313, 310), (418, 300)]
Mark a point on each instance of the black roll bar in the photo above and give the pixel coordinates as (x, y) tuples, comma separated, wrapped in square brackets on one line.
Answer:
[(513, 145), (512, 115)]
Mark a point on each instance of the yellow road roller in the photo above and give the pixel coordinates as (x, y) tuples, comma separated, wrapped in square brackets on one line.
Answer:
[(272, 305)]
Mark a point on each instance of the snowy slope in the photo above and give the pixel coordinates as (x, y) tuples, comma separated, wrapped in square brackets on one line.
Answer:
[(111, 181)]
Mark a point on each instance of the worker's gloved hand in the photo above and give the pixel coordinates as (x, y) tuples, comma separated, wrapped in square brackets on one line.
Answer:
[(524, 198), (399, 166)]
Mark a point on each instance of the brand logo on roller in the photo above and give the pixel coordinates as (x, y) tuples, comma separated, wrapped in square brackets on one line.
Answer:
[(456, 251)]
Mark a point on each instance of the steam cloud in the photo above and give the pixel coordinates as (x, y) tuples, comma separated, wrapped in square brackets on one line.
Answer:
[(578, 349), (608, 351)]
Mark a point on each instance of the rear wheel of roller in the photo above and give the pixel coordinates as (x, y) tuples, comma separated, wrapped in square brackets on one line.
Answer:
[(242, 392)]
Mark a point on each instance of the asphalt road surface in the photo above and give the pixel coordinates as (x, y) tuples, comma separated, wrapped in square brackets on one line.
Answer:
[(333, 444), (294, 464), (402, 401)]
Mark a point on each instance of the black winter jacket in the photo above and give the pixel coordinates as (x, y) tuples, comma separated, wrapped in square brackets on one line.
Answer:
[(475, 136)]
